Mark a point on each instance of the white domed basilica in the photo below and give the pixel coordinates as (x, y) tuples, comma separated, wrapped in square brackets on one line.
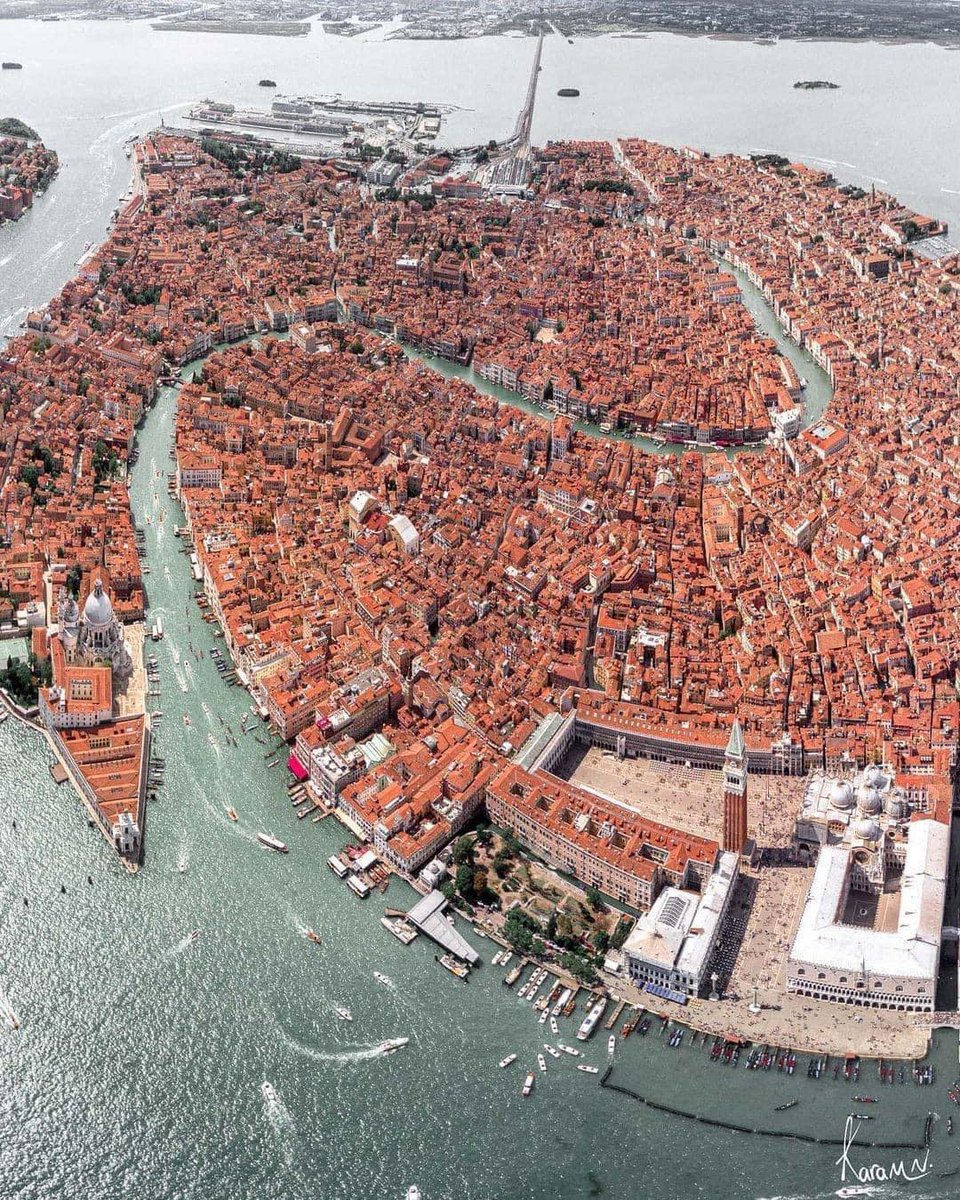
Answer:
[(96, 636)]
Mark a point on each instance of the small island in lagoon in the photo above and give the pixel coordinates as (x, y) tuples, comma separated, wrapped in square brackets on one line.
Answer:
[(568, 92)]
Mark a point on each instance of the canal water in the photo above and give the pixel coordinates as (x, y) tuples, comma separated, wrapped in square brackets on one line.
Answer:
[(816, 396), (142, 1058)]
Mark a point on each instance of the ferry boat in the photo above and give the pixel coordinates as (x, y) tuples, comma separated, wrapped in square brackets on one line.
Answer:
[(400, 929), (357, 886), (528, 1084), (312, 936), (588, 1069), (392, 1045), (384, 979), (541, 1062), (591, 1020), (338, 866), (454, 967), (505, 1062), (272, 843), (343, 1014)]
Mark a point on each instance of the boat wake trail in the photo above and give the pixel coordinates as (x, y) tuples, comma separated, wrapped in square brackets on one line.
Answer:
[(281, 1122), (179, 948), (358, 1054)]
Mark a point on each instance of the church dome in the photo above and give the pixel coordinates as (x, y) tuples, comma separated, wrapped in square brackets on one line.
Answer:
[(841, 794), (874, 777), (867, 830), (870, 802), (98, 611)]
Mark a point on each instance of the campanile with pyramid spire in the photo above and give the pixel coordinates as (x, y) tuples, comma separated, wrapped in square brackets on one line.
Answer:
[(735, 791)]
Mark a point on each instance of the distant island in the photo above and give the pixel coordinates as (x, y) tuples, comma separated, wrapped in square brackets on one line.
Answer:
[(812, 85), (268, 83), (27, 168), (568, 92), (13, 127), (12, 66)]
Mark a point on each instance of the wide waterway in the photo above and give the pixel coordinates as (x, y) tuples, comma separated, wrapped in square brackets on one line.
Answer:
[(140, 1063)]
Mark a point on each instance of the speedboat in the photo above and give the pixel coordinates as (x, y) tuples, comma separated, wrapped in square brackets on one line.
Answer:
[(344, 1014), (384, 979), (528, 1084), (611, 1044), (568, 1050), (392, 1045), (554, 1027), (541, 1062), (589, 1070), (413, 1192), (551, 1050), (505, 1062), (312, 936), (232, 813)]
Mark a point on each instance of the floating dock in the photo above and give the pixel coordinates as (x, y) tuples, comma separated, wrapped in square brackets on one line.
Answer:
[(427, 916)]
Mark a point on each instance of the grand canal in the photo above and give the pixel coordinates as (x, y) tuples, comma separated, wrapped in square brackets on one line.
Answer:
[(140, 1064), (141, 1060)]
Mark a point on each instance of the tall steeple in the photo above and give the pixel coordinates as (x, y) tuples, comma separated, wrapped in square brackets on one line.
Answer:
[(735, 790)]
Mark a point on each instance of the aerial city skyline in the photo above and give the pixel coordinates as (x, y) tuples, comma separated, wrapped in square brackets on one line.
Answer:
[(564, 530)]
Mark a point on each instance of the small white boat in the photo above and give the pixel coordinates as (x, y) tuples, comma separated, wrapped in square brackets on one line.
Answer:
[(551, 1050), (392, 1045), (589, 1070), (611, 1044), (554, 1027), (505, 1062), (344, 1014), (496, 958), (568, 1050), (384, 979), (528, 1084), (541, 1062), (543, 1017), (413, 1192)]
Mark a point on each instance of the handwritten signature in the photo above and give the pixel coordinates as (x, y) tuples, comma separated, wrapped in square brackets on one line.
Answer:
[(878, 1172)]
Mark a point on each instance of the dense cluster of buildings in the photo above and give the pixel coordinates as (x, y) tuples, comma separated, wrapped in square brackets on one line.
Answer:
[(25, 169), (433, 591)]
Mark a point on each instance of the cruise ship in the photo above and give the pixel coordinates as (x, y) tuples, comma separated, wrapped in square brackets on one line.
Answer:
[(591, 1020)]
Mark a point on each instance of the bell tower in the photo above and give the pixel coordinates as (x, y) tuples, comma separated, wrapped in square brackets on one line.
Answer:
[(735, 791)]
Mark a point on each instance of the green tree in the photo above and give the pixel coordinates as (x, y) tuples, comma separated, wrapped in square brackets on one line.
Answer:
[(463, 851), (594, 899)]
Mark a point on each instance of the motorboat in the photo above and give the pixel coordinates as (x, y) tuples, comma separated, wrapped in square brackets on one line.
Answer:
[(554, 1027), (611, 1044), (528, 1084), (455, 968), (784, 1107), (541, 1062), (588, 1069), (505, 1062), (568, 1050), (551, 1050), (413, 1192), (312, 936), (232, 813), (392, 1045), (343, 1014), (384, 979)]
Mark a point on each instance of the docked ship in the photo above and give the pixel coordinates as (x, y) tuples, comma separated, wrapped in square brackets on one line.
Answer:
[(591, 1020), (454, 967), (273, 843)]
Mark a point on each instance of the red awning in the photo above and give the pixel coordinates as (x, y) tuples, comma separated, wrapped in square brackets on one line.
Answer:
[(296, 766)]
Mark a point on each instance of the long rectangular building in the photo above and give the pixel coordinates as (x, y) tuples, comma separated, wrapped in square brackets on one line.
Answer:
[(603, 844)]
